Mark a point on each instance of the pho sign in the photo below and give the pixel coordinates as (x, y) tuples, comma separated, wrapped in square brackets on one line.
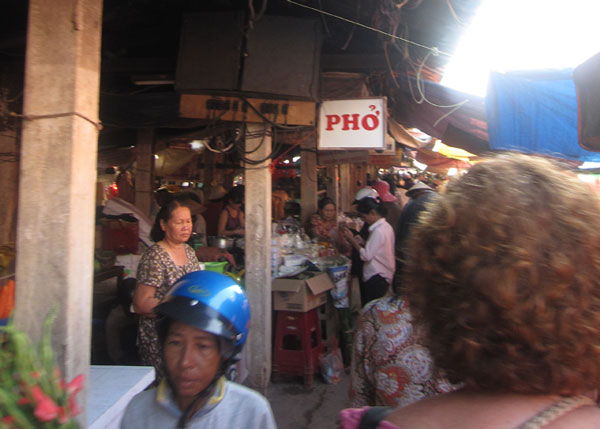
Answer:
[(353, 124)]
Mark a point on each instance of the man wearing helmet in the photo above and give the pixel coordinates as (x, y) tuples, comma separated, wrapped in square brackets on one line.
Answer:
[(203, 326)]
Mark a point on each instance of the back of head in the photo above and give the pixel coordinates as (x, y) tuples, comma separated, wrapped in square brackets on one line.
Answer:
[(503, 270), (235, 195), (383, 189), (365, 205)]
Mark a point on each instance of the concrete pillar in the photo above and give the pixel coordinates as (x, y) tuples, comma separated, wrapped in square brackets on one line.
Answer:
[(346, 195), (308, 178), (258, 257), (144, 171), (55, 227)]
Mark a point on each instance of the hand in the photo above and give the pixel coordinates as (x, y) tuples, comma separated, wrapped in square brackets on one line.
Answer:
[(348, 234)]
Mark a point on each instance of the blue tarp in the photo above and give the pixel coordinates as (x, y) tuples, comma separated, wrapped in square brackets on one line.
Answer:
[(535, 112)]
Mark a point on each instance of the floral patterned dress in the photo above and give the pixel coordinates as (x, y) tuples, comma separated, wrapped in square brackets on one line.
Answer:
[(327, 230), (157, 269), (390, 366)]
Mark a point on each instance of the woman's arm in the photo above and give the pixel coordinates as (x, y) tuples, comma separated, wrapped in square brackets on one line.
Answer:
[(144, 300), (222, 223), (242, 221)]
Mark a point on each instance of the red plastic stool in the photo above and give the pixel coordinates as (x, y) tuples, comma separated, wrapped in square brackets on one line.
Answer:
[(298, 344)]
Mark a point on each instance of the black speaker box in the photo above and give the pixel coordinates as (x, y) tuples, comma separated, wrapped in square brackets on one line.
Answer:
[(210, 49), (279, 57)]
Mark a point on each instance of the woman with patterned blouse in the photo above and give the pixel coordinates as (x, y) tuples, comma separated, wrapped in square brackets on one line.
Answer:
[(160, 267), (390, 365), (324, 227)]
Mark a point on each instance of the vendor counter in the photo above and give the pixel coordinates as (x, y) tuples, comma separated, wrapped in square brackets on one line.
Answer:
[(110, 390)]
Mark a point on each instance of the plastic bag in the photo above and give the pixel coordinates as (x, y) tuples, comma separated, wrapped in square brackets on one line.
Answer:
[(332, 366)]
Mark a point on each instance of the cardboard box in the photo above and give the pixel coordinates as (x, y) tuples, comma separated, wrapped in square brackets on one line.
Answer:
[(300, 295)]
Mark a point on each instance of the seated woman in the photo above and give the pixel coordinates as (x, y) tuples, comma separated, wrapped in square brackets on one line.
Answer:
[(323, 226), (503, 273), (160, 267), (203, 325), (377, 253), (231, 220)]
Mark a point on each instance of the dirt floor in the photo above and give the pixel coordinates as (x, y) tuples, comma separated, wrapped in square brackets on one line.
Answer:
[(297, 407)]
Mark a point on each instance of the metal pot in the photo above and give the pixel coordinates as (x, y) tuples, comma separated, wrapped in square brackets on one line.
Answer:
[(221, 242), (240, 243)]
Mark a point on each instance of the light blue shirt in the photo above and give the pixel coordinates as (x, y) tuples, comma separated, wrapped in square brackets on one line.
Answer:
[(232, 406)]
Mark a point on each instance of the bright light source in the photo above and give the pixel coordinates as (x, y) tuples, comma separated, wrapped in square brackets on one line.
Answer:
[(185, 184), (587, 178), (286, 161), (419, 165), (523, 35), (196, 145), (155, 156), (295, 159), (436, 146), (452, 171), (588, 164)]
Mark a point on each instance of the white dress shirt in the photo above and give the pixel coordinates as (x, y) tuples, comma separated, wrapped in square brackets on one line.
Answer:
[(378, 253)]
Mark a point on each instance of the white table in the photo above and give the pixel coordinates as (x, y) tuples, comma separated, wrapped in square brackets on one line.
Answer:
[(110, 390)]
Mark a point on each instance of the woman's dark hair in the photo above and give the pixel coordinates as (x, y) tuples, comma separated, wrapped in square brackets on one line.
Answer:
[(235, 195), (325, 202), (165, 212), (392, 184), (367, 204)]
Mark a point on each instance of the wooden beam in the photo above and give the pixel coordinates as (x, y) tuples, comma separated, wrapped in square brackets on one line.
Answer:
[(232, 108)]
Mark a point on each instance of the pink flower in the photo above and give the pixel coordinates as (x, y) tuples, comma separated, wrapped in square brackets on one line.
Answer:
[(45, 410), (75, 385), (73, 406), (63, 417), (23, 401), (9, 420)]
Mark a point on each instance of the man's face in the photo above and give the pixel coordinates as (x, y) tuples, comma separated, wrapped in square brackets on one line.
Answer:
[(192, 358)]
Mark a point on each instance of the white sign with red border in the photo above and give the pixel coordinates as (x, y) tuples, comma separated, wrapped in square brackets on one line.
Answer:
[(353, 124)]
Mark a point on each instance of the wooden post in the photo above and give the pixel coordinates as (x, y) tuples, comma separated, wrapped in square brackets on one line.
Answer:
[(258, 257), (346, 197), (308, 178), (144, 172), (333, 185), (55, 229)]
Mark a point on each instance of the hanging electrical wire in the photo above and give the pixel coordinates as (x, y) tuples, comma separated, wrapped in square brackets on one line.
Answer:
[(368, 27)]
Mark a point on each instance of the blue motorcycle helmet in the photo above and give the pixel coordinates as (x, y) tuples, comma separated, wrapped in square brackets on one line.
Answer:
[(212, 302)]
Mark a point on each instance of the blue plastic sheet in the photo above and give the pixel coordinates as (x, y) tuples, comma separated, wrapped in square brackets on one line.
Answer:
[(535, 112)]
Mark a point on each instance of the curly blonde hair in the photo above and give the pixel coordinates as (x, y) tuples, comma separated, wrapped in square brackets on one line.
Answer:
[(504, 271)]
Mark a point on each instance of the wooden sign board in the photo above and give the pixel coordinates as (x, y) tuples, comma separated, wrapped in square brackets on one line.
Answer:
[(343, 157), (385, 161), (231, 108)]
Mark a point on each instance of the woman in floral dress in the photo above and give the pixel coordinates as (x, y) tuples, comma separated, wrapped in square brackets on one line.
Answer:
[(160, 267), (390, 365)]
